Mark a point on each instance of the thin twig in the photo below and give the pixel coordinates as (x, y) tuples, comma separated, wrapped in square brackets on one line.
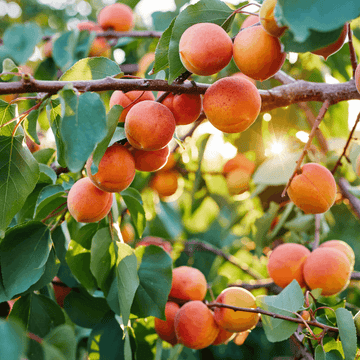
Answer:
[(352, 50), (259, 284)]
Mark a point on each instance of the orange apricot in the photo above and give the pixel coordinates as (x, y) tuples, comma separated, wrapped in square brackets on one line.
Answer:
[(237, 181), (239, 162), (328, 269), (222, 337), (60, 291), (170, 164), (150, 160), (241, 337), (236, 321), (195, 326), (232, 104), (165, 328), (326, 51), (149, 125), (165, 183), (186, 108), (250, 20), (258, 54), (87, 203), (243, 76), (128, 100), (313, 190), (118, 17), (116, 169), (205, 48), (267, 19), (127, 233), (144, 63), (341, 246), (286, 264), (188, 283), (357, 83), (157, 241)]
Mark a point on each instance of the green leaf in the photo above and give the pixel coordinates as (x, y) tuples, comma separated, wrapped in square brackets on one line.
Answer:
[(23, 254), (50, 198), (60, 344), (44, 156), (64, 48), (103, 258), (7, 113), (83, 126), (19, 173), (133, 202), (211, 11), (127, 279), (170, 218), (85, 235), (131, 3), (320, 354), (29, 126), (155, 274), (46, 70), (347, 331), (91, 69), (13, 340), (20, 41), (47, 175), (9, 66), (85, 310)]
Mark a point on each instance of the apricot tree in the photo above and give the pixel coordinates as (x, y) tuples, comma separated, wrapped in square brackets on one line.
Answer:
[(185, 191)]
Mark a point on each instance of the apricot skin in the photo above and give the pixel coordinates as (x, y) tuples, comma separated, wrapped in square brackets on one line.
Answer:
[(153, 240), (149, 125), (127, 233), (258, 54), (232, 104), (267, 19), (286, 264), (100, 46), (341, 246), (249, 21), (116, 169), (165, 328), (239, 162), (165, 183), (236, 321), (150, 160), (128, 100), (195, 326), (328, 269), (313, 190), (188, 284), (237, 181), (118, 17), (205, 48), (357, 82), (222, 337), (87, 203)]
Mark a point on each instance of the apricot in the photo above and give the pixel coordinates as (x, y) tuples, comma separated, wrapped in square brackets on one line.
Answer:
[(258, 54), (328, 269), (144, 63), (249, 21), (232, 104), (165, 328), (128, 100), (149, 125), (205, 48), (186, 108), (286, 264), (195, 326), (127, 233), (150, 160), (60, 291), (116, 169), (87, 203), (188, 283), (236, 321), (241, 337), (243, 76), (313, 190), (341, 246), (118, 17), (237, 181), (326, 51), (157, 241), (357, 83), (47, 49), (170, 163), (267, 19), (222, 337), (165, 183), (239, 162)]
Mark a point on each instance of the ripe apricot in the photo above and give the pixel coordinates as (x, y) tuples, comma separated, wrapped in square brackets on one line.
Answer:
[(313, 190), (222, 337), (237, 181), (258, 54), (116, 169), (150, 160), (87, 203), (232, 104), (243, 76), (250, 20), (186, 108), (205, 48), (241, 337), (195, 326), (127, 233), (188, 283), (60, 291), (165, 328), (236, 321), (149, 125), (157, 241), (286, 264), (267, 19), (328, 269), (144, 63), (170, 164), (341, 246), (326, 51), (239, 162), (165, 183), (118, 17), (128, 100)]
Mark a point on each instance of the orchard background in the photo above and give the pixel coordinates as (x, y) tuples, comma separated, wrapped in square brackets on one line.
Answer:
[(55, 113)]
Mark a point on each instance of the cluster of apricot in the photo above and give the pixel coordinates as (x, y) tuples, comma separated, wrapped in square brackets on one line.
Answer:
[(194, 324), (327, 268)]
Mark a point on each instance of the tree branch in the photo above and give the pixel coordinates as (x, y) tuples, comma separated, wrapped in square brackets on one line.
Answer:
[(354, 201)]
